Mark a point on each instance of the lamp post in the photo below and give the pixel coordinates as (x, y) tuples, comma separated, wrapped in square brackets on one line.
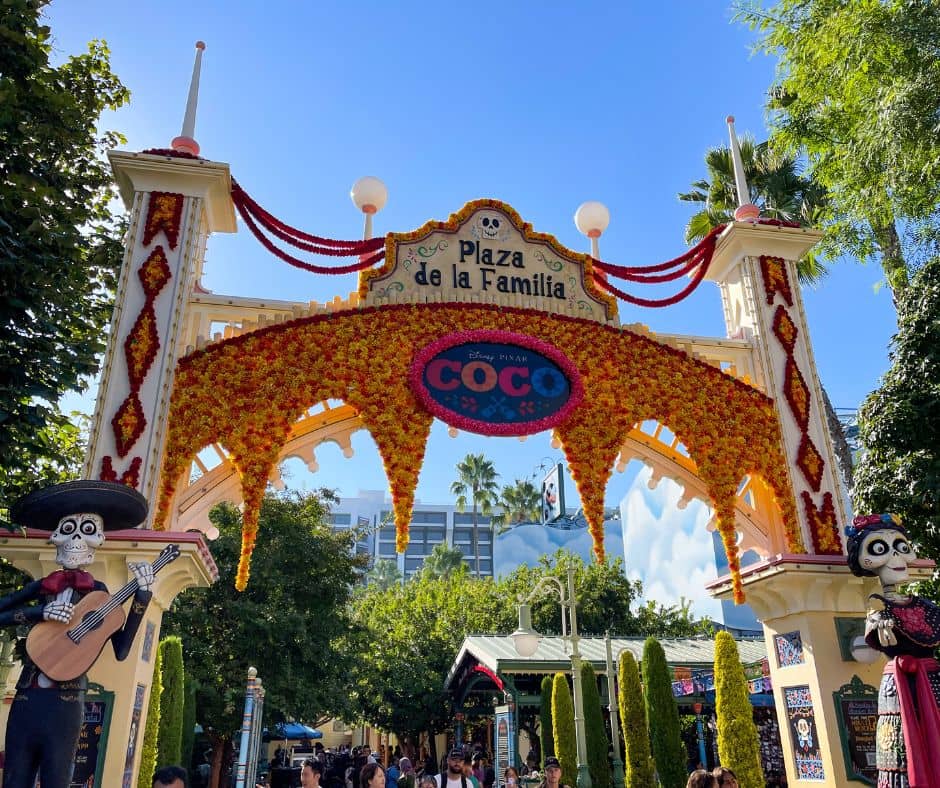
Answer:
[(618, 775), (369, 196), (526, 640)]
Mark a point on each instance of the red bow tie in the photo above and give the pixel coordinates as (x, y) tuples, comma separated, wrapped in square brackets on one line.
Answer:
[(67, 578)]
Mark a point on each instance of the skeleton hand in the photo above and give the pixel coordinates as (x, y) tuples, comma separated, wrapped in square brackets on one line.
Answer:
[(884, 626), (58, 611), (143, 573)]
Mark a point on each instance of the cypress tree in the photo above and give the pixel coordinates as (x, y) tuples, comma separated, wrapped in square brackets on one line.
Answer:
[(662, 714), (738, 742), (189, 722), (598, 750), (170, 737), (148, 749), (546, 734), (639, 761), (566, 748)]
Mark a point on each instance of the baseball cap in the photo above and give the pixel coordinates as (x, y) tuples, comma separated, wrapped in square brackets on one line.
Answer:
[(455, 752), (552, 761)]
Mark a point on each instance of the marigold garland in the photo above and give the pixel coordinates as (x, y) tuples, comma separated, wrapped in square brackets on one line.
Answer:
[(130, 477), (246, 393), (823, 525), (164, 212), (774, 270)]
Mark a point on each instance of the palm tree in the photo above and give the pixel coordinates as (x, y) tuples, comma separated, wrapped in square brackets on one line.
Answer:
[(476, 483), (777, 186), (384, 574), (443, 561), (520, 502)]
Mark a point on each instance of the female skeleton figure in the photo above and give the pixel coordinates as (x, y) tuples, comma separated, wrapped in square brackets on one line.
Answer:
[(907, 629)]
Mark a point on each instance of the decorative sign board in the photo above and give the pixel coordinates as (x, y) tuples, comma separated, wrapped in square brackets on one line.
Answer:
[(485, 253), (857, 712), (504, 746), (93, 738), (804, 738), (496, 382)]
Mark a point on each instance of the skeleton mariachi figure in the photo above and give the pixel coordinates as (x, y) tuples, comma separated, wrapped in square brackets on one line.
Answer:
[(46, 715), (907, 629)]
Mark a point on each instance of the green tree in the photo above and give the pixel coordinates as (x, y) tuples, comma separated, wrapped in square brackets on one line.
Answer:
[(519, 502), (384, 574), (563, 731), (738, 743), (476, 485), (899, 423), (170, 736), (443, 561), (858, 91), (291, 617), (546, 730), (598, 745), (639, 761), (662, 714), (777, 186), (148, 747), (404, 641), (59, 248), (189, 722)]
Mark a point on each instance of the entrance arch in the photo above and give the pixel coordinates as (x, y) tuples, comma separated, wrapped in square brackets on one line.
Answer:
[(247, 392)]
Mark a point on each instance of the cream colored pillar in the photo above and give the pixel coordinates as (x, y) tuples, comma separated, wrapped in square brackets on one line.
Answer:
[(799, 599), (754, 266), (133, 676), (174, 203)]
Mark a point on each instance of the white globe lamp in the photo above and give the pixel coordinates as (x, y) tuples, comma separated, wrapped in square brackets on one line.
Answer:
[(369, 195), (592, 219)]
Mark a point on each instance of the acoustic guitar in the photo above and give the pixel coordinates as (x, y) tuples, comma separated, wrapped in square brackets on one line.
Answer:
[(64, 651)]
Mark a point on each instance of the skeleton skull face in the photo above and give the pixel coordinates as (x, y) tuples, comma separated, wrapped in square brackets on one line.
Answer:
[(491, 226), (887, 553), (76, 538)]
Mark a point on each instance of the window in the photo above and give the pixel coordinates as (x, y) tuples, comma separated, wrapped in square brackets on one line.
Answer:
[(429, 517), (340, 518), (387, 549), (466, 518)]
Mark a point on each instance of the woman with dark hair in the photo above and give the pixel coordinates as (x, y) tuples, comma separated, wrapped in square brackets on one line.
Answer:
[(907, 629), (372, 776)]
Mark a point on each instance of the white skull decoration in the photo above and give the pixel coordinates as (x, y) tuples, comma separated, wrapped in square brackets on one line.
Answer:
[(887, 553), (76, 538), (490, 226)]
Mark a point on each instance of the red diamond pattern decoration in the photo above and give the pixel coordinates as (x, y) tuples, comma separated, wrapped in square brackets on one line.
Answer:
[(810, 462), (128, 424), (797, 393), (785, 329)]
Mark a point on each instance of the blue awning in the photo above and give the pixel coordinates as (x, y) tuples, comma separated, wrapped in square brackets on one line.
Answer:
[(291, 730)]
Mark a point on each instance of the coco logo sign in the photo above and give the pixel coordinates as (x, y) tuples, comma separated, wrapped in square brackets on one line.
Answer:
[(496, 382)]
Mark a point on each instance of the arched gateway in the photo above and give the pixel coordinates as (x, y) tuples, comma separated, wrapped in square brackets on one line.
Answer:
[(491, 326)]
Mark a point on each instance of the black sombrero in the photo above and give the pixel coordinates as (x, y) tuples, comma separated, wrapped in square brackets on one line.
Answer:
[(118, 505)]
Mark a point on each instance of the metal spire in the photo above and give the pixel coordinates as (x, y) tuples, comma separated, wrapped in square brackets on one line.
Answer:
[(746, 210), (185, 142)]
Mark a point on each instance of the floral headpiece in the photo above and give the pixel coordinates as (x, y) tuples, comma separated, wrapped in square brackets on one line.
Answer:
[(864, 521)]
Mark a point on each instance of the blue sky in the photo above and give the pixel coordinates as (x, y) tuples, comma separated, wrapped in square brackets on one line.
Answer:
[(543, 105)]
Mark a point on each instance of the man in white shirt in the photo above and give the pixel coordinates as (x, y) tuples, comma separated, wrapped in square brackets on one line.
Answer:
[(454, 777)]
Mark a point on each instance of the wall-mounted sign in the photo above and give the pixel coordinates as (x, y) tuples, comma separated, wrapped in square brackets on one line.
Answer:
[(496, 382), (857, 712), (485, 253), (804, 737), (88, 765)]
